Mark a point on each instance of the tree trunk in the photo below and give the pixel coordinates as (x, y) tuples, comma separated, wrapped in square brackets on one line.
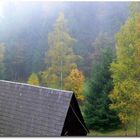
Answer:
[(125, 130), (15, 77), (61, 77)]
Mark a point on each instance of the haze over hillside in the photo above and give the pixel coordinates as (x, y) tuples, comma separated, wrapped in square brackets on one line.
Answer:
[(28, 24)]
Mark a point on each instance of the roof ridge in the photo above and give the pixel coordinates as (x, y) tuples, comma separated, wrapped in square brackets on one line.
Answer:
[(36, 86)]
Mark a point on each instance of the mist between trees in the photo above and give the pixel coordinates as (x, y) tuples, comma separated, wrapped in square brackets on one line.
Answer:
[(90, 48)]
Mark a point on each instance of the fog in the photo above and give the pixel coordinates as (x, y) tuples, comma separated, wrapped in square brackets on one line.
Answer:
[(28, 24)]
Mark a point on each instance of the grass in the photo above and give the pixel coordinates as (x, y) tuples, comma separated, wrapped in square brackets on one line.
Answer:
[(115, 133)]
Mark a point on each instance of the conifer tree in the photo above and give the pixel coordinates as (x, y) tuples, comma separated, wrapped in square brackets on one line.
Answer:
[(97, 114)]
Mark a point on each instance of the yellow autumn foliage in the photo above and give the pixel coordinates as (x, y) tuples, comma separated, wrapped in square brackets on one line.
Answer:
[(125, 72), (33, 79), (75, 82), (60, 58)]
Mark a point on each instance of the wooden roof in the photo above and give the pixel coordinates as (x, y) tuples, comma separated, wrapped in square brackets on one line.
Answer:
[(27, 110)]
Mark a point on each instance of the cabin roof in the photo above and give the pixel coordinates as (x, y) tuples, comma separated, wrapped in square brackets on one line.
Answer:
[(27, 110)]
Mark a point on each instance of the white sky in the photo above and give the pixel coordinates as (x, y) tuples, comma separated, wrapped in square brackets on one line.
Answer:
[(1, 8)]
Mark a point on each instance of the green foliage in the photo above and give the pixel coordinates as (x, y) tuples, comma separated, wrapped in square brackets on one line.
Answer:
[(97, 114), (125, 72), (33, 79), (60, 58)]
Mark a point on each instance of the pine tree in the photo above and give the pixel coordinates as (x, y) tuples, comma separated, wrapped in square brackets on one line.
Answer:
[(102, 41), (17, 61), (97, 114)]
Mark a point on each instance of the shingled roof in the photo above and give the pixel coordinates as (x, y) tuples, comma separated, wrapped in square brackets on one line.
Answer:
[(27, 110)]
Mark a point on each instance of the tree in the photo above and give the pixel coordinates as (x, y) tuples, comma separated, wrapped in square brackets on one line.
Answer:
[(33, 79), (2, 66), (134, 8), (15, 61), (101, 42), (30, 30), (125, 73), (60, 58), (97, 114), (75, 82)]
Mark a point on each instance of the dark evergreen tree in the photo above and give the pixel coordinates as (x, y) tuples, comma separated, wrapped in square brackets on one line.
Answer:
[(97, 114)]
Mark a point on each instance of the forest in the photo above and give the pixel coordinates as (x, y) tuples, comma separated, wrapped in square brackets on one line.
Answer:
[(90, 48)]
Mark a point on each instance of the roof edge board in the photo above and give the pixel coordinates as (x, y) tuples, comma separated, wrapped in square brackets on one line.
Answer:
[(67, 113), (36, 86)]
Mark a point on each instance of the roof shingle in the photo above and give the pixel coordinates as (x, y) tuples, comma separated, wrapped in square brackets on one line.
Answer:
[(27, 110)]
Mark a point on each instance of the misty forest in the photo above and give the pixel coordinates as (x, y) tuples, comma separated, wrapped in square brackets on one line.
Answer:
[(90, 48)]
